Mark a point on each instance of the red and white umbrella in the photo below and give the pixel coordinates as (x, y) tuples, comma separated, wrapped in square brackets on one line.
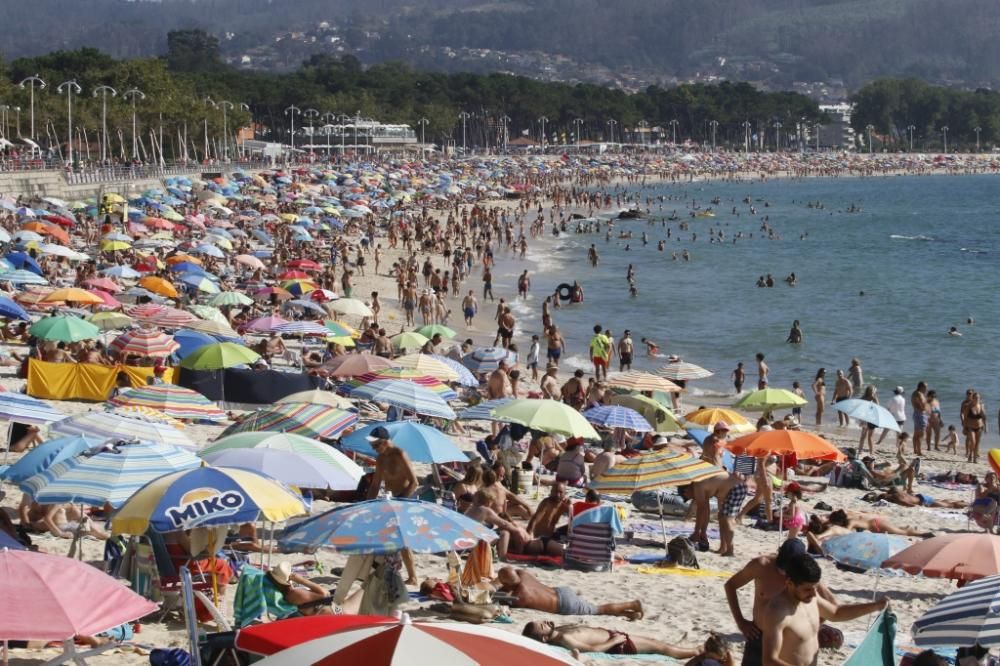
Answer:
[(144, 342), (154, 314), (420, 644)]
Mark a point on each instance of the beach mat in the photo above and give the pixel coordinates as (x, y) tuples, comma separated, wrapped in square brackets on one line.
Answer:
[(683, 571), (647, 557), (540, 560), (672, 530), (587, 657)]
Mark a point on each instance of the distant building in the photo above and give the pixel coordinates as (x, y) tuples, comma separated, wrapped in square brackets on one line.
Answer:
[(838, 133)]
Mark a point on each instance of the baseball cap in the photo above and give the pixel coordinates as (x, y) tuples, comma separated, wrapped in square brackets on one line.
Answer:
[(789, 549), (378, 433), (898, 389), (793, 487), (721, 425)]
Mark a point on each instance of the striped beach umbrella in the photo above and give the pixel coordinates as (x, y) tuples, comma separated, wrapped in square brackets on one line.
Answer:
[(289, 467), (125, 428), (286, 441), (616, 416), (22, 276), (46, 454), (405, 395), (485, 359), (230, 298), (637, 380), (426, 364), (175, 401), (302, 328), (966, 617), (155, 314), (355, 365), (483, 411), (21, 408), (654, 470), (144, 342), (217, 329), (209, 313), (110, 474), (681, 370), (265, 324), (429, 383), (300, 418), (319, 397)]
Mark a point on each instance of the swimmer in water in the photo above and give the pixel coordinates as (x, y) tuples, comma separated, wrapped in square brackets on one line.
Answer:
[(953, 331), (651, 347)]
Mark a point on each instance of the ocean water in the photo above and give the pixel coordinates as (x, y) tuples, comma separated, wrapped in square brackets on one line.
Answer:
[(924, 250)]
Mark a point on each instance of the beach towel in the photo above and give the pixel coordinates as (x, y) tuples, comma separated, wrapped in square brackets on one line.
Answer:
[(648, 557), (877, 647), (672, 530), (540, 560), (681, 571), (479, 565), (255, 595)]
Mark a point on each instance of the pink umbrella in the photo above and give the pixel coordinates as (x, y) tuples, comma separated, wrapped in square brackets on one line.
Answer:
[(53, 598), (103, 283), (249, 260), (265, 324), (961, 556), (109, 300)]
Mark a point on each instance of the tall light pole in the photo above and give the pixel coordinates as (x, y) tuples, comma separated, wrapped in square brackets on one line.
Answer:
[(715, 126), (577, 122), (33, 81), (910, 128), (134, 94), (225, 105), (291, 111), (543, 120), (208, 103), (343, 131), (673, 126), (944, 132), (328, 119), (746, 135), (5, 121), (611, 129), (777, 136), (311, 114), (17, 117), (505, 119), (977, 130), (103, 91), (464, 116), (423, 137), (816, 127), (643, 126), (869, 128), (69, 87)]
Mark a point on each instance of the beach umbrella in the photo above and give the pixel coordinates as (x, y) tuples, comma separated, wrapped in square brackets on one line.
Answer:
[(46, 454), (174, 401), (249, 261), (408, 340), (709, 416), (340, 329), (202, 284), (64, 328), (637, 380), (144, 342), (110, 474), (659, 469), (485, 359), (964, 618), (769, 399), (465, 376), (265, 324), (11, 310), (318, 397), (405, 395), (350, 306), (547, 416), (22, 408), (271, 637), (681, 371), (73, 295), (205, 497), (617, 416), (421, 644), (218, 356), (863, 550), (429, 383), (658, 416), (23, 261), (75, 598), (114, 245), (103, 283), (804, 445), (229, 298), (423, 444), (298, 287), (286, 441), (302, 328), (22, 277), (154, 314), (122, 272), (288, 467), (482, 411), (869, 412), (305, 304), (105, 425), (266, 293), (430, 330), (427, 365), (316, 421), (354, 365), (214, 328), (208, 313), (190, 341), (383, 526), (158, 285), (962, 556)]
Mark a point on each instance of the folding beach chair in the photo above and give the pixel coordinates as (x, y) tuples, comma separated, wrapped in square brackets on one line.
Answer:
[(592, 539)]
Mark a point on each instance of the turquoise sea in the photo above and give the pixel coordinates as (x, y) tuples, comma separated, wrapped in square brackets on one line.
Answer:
[(924, 250)]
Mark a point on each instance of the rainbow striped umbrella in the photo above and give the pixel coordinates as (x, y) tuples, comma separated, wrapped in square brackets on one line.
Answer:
[(144, 342), (637, 380), (405, 395), (426, 364), (300, 418), (118, 427), (175, 401), (265, 324), (654, 470), (426, 381)]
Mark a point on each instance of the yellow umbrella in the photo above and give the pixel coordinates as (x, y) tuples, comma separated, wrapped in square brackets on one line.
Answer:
[(341, 340), (114, 198), (73, 295), (114, 246), (158, 285), (425, 364), (288, 217), (709, 416)]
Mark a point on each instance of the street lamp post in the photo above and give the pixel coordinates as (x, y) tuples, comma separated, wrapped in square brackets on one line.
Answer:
[(505, 119), (746, 135), (577, 122), (343, 131), (869, 128), (816, 127), (977, 130), (944, 131), (311, 114), (464, 116), (69, 87), (543, 120), (673, 126), (104, 90), (225, 105), (133, 94), (643, 126), (423, 137), (910, 128), (777, 136), (33, 81), (611, 129), (715, 125), (208, 103), (291, 111)]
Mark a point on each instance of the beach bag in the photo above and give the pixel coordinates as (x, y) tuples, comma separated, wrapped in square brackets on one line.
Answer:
[(682, 553)]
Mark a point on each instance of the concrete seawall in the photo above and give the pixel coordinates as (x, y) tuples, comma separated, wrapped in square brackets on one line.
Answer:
[(53, 183)]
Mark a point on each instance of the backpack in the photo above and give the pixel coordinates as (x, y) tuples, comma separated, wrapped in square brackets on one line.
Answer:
[(682, 553)]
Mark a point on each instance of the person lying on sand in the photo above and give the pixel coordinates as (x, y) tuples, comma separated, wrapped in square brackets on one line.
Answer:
[(528, 592), (855, 521), (582, 638), (902, 498), (513, 537), (310, 597)]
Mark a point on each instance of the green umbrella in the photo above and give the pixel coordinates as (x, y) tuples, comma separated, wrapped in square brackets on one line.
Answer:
[(218, 356), (547, 416), (408, 340), (656, 413), (430, 330), (110, 321), (229, 298), (64, 329), (208, 313), (769, 399)]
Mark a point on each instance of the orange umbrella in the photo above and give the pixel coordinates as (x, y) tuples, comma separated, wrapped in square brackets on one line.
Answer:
[(158, 285), (805, 445), (961, 556), (178, 258), (73, 295), (48, 229)]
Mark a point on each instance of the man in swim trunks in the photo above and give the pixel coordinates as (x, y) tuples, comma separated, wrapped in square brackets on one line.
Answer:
[(626, 348), (556, 345), (899, 496), (581, 638), (600, 352), (729, 491), (921, 416), (528, 592), (762, 372), (469, 307)]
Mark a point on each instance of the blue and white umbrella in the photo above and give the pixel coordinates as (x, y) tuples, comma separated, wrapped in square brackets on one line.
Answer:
[(25, 409), (21, 276), (485, 359), (483, 411), (110, 474), (465, 378), (423, 444), (11, 310), (123, 272), (616, 416), (303, 328), (964, 618), (125, 428), (863, 550), (210, 250), (869, 412), (305, 305), (46, 454), (405, 395)]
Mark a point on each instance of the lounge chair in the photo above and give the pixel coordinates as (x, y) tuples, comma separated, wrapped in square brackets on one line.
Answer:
[(592, 539)]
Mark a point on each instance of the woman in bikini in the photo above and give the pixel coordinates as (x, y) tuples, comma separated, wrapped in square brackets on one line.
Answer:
[(935, 422), (819, 393), (974, 424)]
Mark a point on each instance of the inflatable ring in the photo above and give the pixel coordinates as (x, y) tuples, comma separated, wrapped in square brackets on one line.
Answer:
[(565, 291), (993, 456)]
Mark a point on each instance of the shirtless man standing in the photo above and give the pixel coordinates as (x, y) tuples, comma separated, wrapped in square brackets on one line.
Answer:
[(498, 386), (550, 384), (921, 416), (580, 637), (767, 573), (791, 620), (842, 390), (762, 372), (393, 468), (469, 307), (528, 592), (729, 491)]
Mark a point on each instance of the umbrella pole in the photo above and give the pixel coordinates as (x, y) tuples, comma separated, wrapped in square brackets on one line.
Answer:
[(6, 451), (211, 563), (781, 497), (663, 523), (878, 574)]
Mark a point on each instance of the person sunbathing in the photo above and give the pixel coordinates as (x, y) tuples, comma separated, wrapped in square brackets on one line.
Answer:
[(902, 498), (513, 537), (60, 520), (582, 638), (854, 521), (28, 439), (528, 592), (309, 597)]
